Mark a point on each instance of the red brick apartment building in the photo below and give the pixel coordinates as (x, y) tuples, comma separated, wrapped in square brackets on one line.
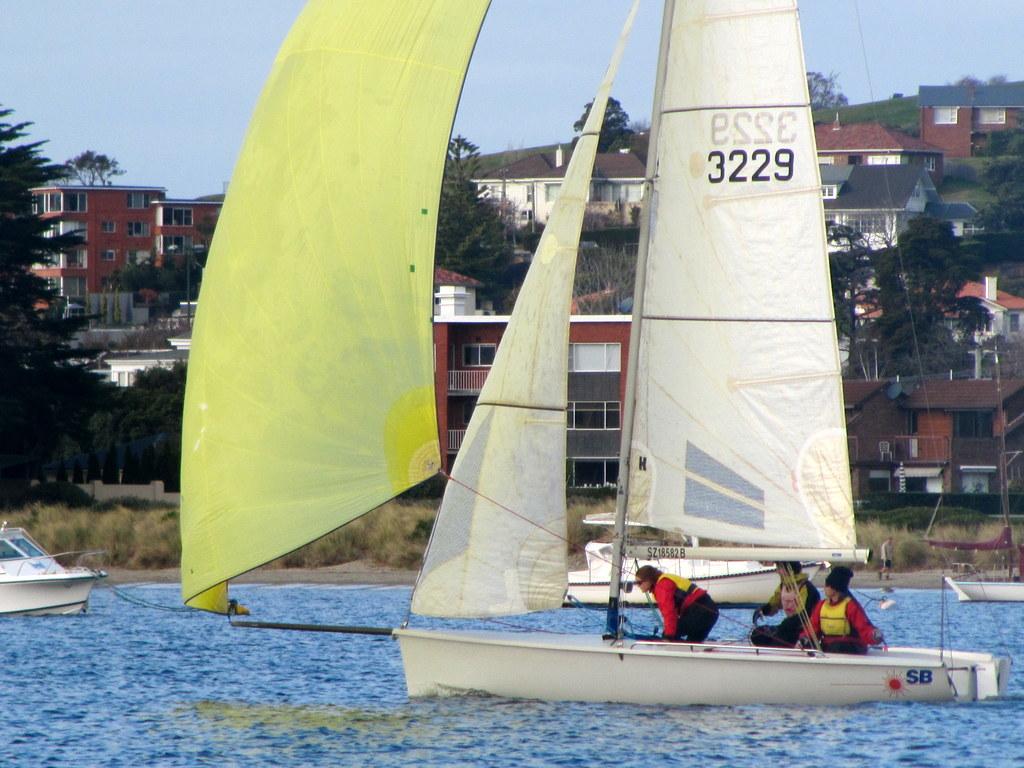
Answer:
[(598, 344), (960, 118), (120, 225)]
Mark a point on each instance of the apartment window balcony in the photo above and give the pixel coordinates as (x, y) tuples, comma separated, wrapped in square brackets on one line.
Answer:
[(920, 448), (455, 438), (467, 382)]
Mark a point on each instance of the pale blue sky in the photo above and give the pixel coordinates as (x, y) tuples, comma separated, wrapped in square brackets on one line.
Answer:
[(167, 87)]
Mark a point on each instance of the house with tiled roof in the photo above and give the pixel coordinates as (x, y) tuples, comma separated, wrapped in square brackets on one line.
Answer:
[(936, 436), (525, 190), (960, 118), (875, 144), (878, 200), (1006, 311), (456, 294)]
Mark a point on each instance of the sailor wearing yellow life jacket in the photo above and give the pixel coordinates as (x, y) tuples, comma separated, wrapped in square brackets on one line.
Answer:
[(794, 595), (687, 611), (839, 620)]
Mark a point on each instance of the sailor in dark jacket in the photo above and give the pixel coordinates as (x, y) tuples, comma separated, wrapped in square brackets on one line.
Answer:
[(795, 591)]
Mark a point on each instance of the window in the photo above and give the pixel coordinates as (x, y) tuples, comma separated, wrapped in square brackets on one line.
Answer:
[(76, 259), (1015, 322), (992, 115), (594, 358), (72, 286), (138, 229), (138, 199), (589, 473), (177, 217), (138, 257), (478, 355), (929, 163), (75, 201), (884, 160), (972, 424), (829, 191), (551, 192), (593, 415), (878, 481), (108, 227), (944, 115), (109, 255), (171, 243), (467, 410)]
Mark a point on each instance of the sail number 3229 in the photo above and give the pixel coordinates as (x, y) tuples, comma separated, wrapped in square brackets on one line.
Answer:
[(754, 154)]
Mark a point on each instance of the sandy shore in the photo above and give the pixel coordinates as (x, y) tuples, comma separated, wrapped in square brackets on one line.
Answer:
[(364, 572)]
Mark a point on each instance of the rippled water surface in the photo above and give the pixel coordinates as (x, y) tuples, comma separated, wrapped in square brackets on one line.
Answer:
[(130, 685)]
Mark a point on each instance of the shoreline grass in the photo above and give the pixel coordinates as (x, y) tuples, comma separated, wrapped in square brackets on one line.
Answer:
[(144, 535)]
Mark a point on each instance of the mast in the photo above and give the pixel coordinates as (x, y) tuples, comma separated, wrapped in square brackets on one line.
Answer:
[(1004, 493), (613, 624)]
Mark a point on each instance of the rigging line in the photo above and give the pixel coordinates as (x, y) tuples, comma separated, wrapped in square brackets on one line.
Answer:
[(497, 404), (129, 598), (501, 506)]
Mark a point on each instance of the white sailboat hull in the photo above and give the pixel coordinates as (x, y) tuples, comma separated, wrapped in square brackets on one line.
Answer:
[(743, 588), (987, 591), (46, 594), (555, 667)]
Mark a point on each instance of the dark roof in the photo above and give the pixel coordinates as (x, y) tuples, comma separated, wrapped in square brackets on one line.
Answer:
[(1001, 95), (856, 391), (877, 187), (961, 394), (867, 137), (951, 211), (607, 165)]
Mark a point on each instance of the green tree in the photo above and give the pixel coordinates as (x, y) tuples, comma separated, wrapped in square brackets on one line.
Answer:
[(470, 234), (93, 471), (824, 91), (109, 475), (76, 473), (130, 470), (1003, 179), (853, 288), (46, 392), (918, 282), (615, 131), (91, 168)]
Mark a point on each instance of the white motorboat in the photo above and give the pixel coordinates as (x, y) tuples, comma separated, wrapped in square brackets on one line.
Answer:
[(730, 583), (732, 421), (34, 583)]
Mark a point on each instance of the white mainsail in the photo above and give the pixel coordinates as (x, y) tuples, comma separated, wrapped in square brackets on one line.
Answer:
[(498, 545), (738, 428)]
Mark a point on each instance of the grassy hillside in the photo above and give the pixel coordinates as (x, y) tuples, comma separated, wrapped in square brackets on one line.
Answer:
[(895, 113)]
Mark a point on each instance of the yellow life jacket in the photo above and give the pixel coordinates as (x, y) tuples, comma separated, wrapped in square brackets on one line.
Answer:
[(687, 593), (680, 582), (833, 619)]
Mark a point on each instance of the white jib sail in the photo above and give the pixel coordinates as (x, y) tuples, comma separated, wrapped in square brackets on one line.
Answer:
[(739, 430), (499, 541)]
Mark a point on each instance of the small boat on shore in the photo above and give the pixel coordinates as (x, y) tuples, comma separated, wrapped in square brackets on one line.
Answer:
[(34, 583)]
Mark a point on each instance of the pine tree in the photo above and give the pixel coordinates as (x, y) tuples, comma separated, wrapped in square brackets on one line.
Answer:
[(46, 392), (109, 475), (93, 472), (130, 471)]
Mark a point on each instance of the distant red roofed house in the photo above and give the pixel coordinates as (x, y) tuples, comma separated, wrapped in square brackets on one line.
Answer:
[(960, 118), (526, 189), (1006, 311), (875, 144), (940, 435)]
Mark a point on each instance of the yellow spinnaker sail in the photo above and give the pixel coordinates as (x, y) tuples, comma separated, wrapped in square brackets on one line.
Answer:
[(310, 396)]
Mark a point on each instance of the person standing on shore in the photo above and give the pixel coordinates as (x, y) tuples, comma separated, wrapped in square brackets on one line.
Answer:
[(886, 558)]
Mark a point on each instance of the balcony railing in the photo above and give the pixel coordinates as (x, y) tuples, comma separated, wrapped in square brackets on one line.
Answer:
[(467, 381), (455, 438), (893, 449)]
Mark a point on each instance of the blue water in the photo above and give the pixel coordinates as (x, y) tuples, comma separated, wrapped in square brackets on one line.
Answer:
[(130, 685)]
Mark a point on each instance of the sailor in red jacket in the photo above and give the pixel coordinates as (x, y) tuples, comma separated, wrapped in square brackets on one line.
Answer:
[(839, 620), (687, 611)]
